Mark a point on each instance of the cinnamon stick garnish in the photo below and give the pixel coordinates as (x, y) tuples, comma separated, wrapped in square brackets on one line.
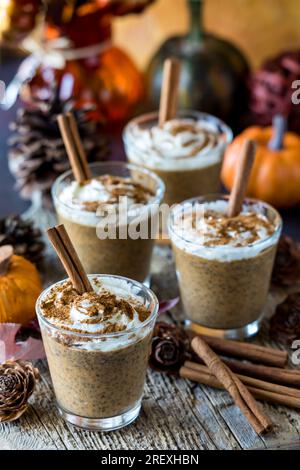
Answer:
[(69, 258), (288, 377), (6, 252), (252, 352), (79, 145), (169, 90), (261, 384), (269, 394), (74, 147), (241, 179), (241, 395)]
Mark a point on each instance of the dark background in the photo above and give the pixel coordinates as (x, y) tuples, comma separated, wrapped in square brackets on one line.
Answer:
[(10, 201)]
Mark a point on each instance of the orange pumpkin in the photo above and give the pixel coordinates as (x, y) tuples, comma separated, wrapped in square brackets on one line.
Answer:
[(275, 176), (20, 285)]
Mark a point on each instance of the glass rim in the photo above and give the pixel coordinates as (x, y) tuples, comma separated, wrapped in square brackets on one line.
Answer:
[(217, 196), (118, 334), (156, 199), (143, 118)]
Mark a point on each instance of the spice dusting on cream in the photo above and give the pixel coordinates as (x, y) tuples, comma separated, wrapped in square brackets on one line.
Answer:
[(109, 308)]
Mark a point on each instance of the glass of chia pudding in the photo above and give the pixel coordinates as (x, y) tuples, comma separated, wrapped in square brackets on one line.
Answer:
[(224, 264), (101, 213), (185, 152), (97, 346)]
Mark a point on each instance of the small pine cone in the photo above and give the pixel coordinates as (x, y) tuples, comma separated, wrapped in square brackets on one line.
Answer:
[(170, 348), (17, 382), (23, 236), (37, 154)]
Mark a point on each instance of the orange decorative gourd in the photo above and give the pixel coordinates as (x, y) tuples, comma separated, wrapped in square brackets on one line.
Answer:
[(20, 285), (275, 176)]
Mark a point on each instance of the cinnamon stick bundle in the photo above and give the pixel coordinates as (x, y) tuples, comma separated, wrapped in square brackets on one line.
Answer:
[(252, 352), (207, 378), (288, 377), (69, 258), (74, 147), (261, 384), (240, 394), (261, 390)]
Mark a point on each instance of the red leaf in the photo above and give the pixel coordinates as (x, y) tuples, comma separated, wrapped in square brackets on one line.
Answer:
[(166, 305), (31, 349)]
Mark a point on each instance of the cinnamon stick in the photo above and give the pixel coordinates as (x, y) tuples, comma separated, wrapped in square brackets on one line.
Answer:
[(241, 179), (276, 375), (240, 394), (69, 258), (79, 145), (210, 380), (206, 378), (261, 384), (169, 90), (252, 352), (71, 141)]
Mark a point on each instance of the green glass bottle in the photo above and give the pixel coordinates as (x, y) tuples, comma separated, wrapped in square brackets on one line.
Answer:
[(214, 71)]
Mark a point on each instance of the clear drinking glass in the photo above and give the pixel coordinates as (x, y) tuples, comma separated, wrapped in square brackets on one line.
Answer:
[(223, 288), (98, 380), (187, 176), (121, 255)]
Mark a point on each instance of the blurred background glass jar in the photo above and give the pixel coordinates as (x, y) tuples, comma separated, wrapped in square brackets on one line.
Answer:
[(87, 66)]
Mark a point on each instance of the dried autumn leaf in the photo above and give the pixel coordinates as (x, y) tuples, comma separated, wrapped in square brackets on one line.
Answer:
[(31, 349)]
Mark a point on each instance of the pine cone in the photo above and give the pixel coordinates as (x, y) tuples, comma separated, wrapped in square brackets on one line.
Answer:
[(285, 323), (17, 382), (170, 348), (23, 236), (271, 90), (286, 269), (37, 154)]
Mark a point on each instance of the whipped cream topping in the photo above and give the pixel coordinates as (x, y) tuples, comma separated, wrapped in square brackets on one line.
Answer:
[(204, 229), (109, 308), (178, 144), (104, 189), (81, 201)]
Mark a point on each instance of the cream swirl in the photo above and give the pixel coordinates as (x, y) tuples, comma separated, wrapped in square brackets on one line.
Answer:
[(103, 190), (84, 202), (204, 229), (177, 144), (109, 308)]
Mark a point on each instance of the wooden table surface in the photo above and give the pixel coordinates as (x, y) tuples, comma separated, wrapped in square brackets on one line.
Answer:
[(176, 413)]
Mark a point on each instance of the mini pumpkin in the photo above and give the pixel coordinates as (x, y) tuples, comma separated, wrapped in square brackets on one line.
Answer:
[(275, 175), (20, 285)]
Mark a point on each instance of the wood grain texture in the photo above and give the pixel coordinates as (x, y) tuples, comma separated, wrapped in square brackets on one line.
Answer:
[(176, 413)]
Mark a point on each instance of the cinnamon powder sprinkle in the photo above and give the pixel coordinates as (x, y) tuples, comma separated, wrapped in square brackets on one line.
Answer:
[(226, 229), (118, 187), (102, 307)]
